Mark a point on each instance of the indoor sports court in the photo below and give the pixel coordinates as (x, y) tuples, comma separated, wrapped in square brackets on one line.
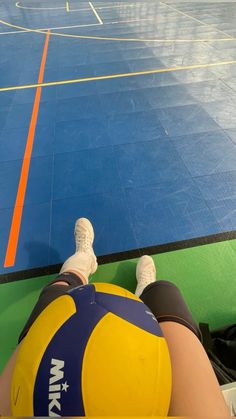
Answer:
[(123, 112)]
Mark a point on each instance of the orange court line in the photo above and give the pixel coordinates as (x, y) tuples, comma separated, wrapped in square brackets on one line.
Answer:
[(20, 198)]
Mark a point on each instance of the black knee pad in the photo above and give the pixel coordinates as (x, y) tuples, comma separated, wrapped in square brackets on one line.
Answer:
[(167, 304)]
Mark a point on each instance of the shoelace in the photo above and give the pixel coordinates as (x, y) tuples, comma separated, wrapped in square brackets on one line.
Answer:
[(146, 276), (83, 241)]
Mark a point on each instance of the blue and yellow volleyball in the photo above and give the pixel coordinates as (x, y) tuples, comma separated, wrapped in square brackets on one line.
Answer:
[(96, 351)]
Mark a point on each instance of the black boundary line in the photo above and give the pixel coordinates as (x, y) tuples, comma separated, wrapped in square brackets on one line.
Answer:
[(117, 257)]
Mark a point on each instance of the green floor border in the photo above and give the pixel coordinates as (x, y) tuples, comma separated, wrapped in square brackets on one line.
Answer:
[(206, 276)]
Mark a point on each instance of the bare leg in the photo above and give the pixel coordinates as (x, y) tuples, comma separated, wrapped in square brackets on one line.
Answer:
[(195, 389), (5, 385), (6, 376)]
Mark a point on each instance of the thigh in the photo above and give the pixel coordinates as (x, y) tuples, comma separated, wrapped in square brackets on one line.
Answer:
[(53, 290), (5, 385)]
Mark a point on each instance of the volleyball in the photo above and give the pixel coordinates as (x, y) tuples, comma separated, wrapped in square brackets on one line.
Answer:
[(95, 351)]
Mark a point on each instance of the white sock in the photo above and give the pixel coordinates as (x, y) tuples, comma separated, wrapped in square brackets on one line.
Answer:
[(81, 262)]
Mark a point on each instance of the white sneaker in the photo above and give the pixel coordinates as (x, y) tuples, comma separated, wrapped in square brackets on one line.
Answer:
[(84, 238), (84, 260), (145, 273)]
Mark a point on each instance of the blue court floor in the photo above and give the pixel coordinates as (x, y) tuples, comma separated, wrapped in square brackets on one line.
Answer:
[(134, 106)]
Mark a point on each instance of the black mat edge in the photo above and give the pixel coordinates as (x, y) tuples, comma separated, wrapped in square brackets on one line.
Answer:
[(117, 257)]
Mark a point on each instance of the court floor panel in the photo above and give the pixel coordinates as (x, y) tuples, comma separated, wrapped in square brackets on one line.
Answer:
[(145, 147)]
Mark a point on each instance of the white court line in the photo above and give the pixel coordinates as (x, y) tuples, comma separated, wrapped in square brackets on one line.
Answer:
[(11, 32), (196, 20), (70, 27), (76, 26), (129, 21), (37, 8), (92, 24), (117, 7), (106, 7), (96, 14), (74, 10), (119, 39)]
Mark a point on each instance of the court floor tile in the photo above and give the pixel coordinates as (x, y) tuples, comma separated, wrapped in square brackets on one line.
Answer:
[(47, 113), (209, 91), (12, 143), (33, 247), (224, 72), (77, 108), (136, 54), (9, 77), (116, 85), (107, 57), (131, 128), (9, 178), (18, 116), (48, 94), (169, 212), (232, 134), (7, 98), (121, 102), (81, 134), (29, 76), (224, 212), (143, 64), (156, 80), (103, 69), (223, 112), (231, 82), (85, 172), (44, 141), (76, 90), (148, 163), (206, 153), (188, 119), (195, 75), (218, 186), (168, 96), (40, 180), (51, 74), (24, 96), (74, 72)]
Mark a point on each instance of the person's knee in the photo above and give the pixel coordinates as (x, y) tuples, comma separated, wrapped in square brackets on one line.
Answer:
[(61, 283)]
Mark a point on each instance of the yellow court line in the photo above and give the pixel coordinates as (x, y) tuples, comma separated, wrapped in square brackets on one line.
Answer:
[(196, 20), (74, 10), (101, 38), (96, 13), (37, 8), (12, 32), (116, 76), (67, 6)]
